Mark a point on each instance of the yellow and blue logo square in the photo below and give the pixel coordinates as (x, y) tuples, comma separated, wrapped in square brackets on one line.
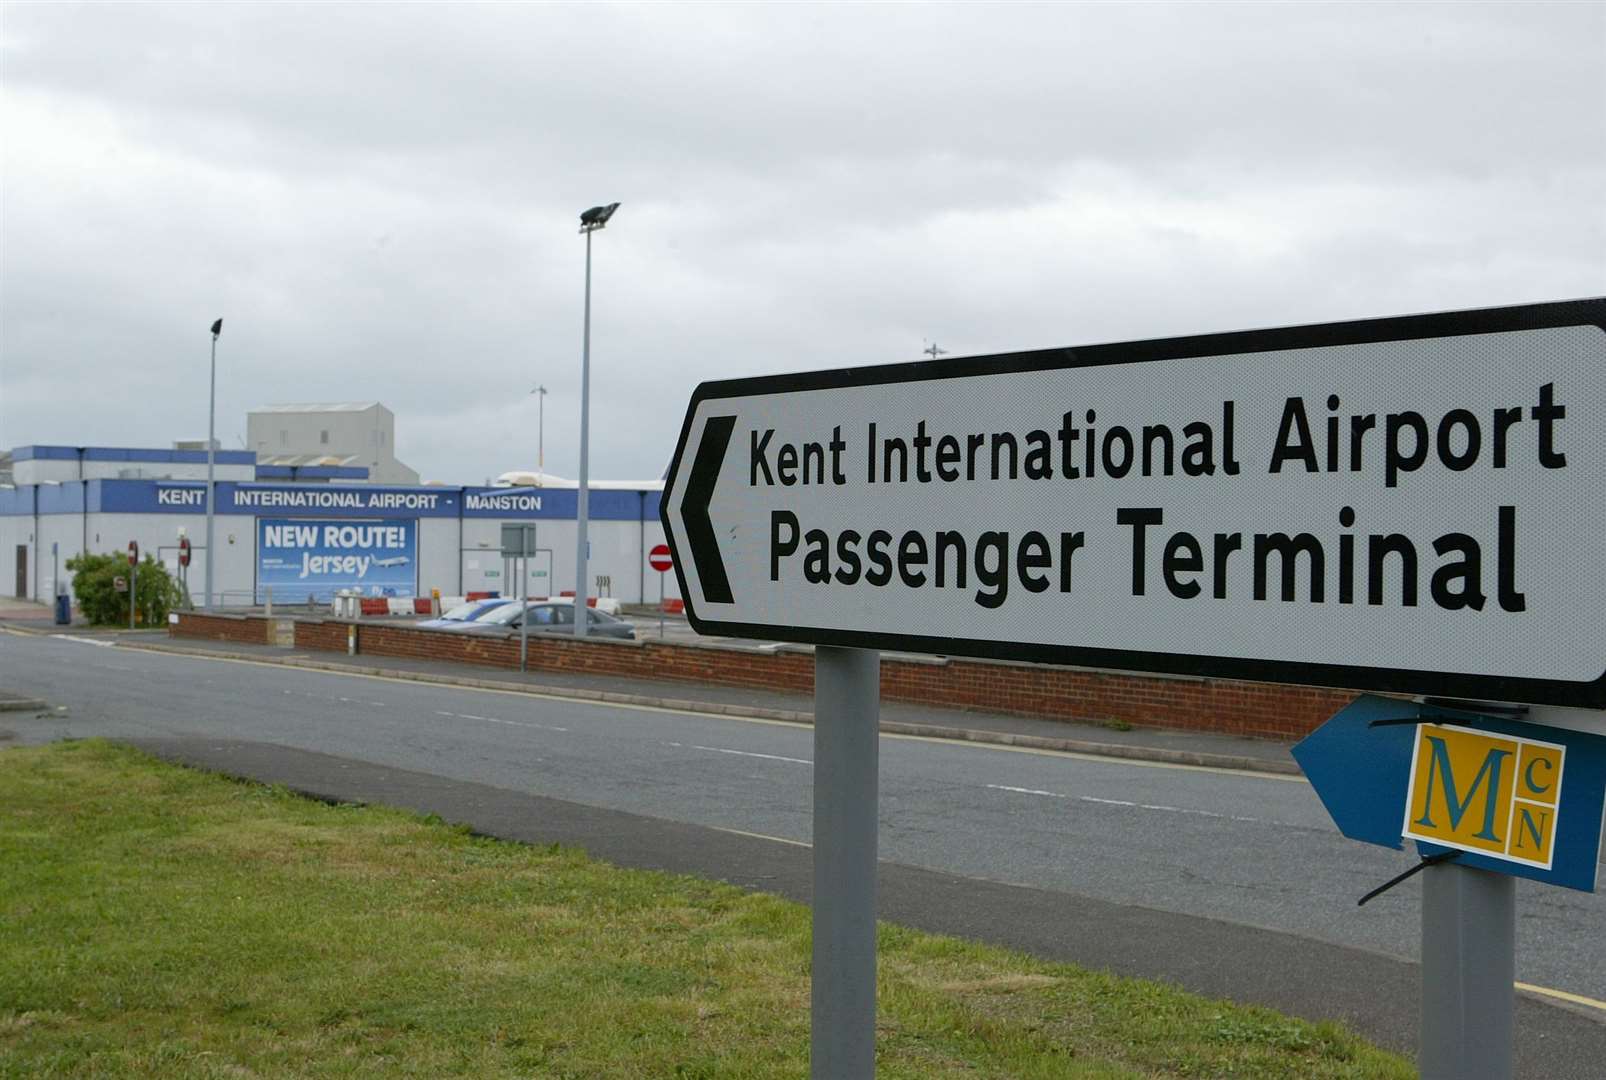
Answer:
[(1492, 794)]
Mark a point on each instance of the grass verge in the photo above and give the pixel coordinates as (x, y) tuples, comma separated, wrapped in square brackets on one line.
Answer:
[(160, 921)]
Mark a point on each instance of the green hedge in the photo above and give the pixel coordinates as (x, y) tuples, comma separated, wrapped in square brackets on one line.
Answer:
[(94, 584)]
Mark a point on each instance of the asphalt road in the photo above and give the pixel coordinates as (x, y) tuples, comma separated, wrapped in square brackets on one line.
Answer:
[(1246, 850)]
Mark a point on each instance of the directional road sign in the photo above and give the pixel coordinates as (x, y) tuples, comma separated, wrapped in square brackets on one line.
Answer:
[(1408, 504), (1514, 797)]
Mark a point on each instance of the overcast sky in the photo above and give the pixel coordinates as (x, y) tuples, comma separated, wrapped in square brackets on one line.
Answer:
[(381, 201)]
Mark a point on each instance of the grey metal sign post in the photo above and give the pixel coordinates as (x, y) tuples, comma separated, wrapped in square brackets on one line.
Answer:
[(1304, 505), (847, 716), (133, 581), (518, 544), (660, 560), (1469, 966)]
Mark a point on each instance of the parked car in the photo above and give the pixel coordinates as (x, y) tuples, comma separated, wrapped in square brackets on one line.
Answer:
[(496, 614), (462, 613), (549, 616)]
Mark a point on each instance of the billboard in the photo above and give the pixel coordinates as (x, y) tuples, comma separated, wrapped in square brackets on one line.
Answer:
[(298, 558)]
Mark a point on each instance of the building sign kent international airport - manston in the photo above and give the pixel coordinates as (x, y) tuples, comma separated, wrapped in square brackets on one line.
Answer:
[(1409, 504)]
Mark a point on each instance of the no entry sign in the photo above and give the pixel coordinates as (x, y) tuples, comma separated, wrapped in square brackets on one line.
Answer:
[(659, 558), (1409, 504)]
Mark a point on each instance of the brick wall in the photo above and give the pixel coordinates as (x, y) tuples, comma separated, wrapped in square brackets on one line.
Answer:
[(1265, 710), (328, 636), (243, 628)]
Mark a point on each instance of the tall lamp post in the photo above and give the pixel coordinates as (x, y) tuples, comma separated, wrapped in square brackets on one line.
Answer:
[(540, 433), (211, 453), (590, 221)]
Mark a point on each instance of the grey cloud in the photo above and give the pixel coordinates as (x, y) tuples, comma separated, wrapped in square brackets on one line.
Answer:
[(382, 200)]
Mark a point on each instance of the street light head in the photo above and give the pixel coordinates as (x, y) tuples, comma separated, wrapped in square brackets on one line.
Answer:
[(217, 328), (596, 217)]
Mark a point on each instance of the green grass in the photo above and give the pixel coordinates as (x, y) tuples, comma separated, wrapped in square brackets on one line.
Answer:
[(159, 921)]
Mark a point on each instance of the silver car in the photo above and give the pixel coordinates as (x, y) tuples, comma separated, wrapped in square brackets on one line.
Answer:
[(549, 616)]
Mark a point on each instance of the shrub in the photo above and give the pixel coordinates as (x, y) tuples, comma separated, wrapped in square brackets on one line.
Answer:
[(94, 584)]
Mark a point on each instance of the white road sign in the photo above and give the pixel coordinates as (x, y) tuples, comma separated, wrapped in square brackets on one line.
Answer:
[(1414, 504)]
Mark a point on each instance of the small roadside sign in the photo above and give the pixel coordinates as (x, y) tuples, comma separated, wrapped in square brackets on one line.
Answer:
[(1405, 504), (1509, 796), (133, 553), (120, 584), (659, 558), (184, 551), (518, 541)]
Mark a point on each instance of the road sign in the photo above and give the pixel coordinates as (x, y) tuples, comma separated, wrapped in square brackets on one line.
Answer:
[(1514, 797), (659, 558), (133, 553), (184, 551), (1407, 504), (518, 541), (119, 584)]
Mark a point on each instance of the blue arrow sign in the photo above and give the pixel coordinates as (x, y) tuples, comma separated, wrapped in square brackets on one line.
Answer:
[(1508, 796)]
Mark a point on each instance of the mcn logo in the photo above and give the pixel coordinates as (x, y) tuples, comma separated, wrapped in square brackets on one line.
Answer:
[(1496, 795)]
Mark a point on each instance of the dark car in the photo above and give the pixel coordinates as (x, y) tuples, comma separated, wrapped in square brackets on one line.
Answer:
[(548, 616)]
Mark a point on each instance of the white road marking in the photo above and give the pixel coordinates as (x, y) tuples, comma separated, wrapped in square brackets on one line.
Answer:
[(498, 720), (763, 836), (1133, 805), (85, 640), (743, 753)]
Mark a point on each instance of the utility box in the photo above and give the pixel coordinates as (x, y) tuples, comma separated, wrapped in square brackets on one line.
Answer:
[(63, 609)]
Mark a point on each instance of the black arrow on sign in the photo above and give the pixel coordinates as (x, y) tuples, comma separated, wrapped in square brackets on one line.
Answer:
[(694, 508)]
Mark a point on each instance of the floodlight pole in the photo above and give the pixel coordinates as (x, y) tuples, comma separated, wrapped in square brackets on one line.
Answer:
[(583, 511), (540, 416), (590, 221), (211, 441)]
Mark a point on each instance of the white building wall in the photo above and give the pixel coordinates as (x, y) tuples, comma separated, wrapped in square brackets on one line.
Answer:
[(54, 471), (234, 537), (66, 532), (437, 556), (455, 563)]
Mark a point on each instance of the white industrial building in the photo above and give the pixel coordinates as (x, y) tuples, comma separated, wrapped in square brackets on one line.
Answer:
[(305, 530), (346, 433)]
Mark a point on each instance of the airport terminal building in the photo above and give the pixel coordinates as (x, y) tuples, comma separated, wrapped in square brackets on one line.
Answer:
[(303, 532)]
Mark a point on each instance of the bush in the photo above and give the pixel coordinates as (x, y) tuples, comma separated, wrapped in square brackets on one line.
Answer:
[(94, 584)]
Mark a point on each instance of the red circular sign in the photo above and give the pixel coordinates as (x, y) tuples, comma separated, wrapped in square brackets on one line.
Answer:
[(184, 551), (658, 558), (133, 552)]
